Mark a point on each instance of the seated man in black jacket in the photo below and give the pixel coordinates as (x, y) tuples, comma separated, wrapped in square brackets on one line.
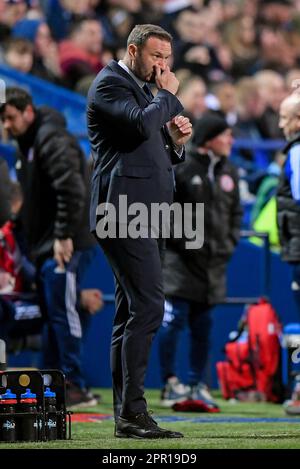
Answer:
[(195, 280), (53, 174)]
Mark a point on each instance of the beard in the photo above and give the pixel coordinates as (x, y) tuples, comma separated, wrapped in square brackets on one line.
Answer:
[(153, 77), (141, 71)]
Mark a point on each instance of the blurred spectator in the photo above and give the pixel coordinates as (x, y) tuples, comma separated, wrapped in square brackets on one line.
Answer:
[(276, 52), (276, 12), (249, 8), (291, 79), (252, 162), (132, 6), (293, 31), (122, 24), (19, 54), (4, 27), (82, 86), (272, 89), (232, 9), (241, 37), (151, 12), (225, 93), (60, 14), (46, 60), (80, 54), (191, 50), (27, 29), (250, 105), (191, 94), (12, 11)]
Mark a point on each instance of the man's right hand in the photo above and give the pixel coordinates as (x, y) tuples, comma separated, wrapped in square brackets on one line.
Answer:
[(166, 80)]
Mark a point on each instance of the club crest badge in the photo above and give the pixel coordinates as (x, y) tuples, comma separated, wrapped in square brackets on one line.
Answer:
[(226, 183)]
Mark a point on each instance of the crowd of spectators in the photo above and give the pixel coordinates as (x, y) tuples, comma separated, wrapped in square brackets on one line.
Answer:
[(237, 58)]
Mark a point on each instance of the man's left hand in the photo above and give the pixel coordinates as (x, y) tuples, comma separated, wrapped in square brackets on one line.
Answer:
[(180, 129), (91, 299)]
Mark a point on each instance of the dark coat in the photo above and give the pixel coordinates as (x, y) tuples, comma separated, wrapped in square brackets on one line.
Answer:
[(200, 275), (288, 213), (132, 150), (5, 192), (53, 174)]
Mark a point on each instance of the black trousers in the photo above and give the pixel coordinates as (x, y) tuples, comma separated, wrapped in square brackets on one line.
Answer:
[(139, 296)]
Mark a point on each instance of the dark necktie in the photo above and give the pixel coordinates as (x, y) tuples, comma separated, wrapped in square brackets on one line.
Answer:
[(164, 128), (147, 90)]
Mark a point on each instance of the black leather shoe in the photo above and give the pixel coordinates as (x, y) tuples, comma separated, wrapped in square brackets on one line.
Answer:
[(142, 426)]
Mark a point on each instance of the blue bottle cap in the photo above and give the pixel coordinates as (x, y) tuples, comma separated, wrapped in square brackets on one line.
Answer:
[(8, 395), (28, 395), (49, 393)]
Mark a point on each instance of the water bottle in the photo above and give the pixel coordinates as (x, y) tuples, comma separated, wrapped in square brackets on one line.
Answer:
[(29, 422), (51, 417), (8, 431)]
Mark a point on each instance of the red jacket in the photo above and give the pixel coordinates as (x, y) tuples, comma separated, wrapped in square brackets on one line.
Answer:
[(10, 256)]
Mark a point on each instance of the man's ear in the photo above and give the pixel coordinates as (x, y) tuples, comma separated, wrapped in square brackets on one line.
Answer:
[(132, 50), (29, 113)]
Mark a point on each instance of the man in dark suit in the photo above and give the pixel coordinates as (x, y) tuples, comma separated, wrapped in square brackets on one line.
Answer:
[(133, 150)]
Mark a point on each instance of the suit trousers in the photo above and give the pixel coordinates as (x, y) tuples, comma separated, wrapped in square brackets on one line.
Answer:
[(139, 298)]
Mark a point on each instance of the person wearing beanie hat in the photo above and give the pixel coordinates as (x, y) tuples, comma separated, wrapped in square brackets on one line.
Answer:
[(46, 58), (195, 280), (207, 128), (27, 29)]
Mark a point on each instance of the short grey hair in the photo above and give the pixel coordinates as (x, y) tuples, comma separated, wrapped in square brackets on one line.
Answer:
[(142, 32)]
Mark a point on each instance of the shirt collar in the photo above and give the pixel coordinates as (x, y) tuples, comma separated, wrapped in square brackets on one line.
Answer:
[(213, 158), (140, 83)]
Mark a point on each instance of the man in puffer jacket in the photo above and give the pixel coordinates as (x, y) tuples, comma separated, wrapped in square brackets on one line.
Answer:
[(53, 174), (195, 280)]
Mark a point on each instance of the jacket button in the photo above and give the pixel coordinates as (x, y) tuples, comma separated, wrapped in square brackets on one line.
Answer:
[(169, 169), (167, 147)]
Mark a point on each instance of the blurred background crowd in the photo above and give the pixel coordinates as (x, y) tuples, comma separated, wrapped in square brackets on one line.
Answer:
[(237, 58)]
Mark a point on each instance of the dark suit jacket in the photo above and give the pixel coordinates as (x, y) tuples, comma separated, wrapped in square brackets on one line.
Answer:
[(132, 151)]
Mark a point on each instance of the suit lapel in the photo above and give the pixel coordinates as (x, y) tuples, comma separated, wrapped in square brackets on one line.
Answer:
[(113, 65)]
